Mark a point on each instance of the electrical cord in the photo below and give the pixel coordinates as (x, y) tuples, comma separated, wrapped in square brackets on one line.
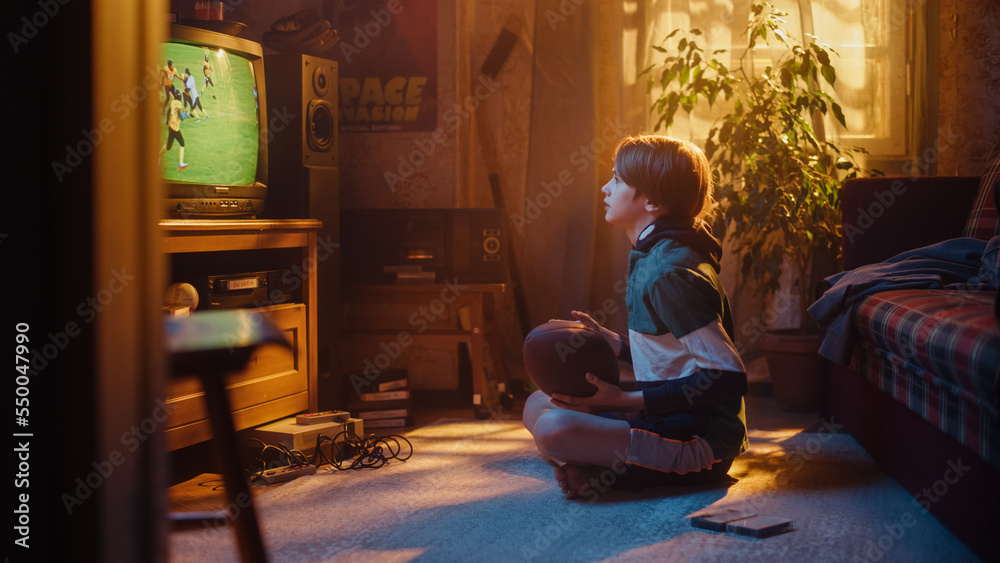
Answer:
[(347, 451), (284, 455), (354, 452)]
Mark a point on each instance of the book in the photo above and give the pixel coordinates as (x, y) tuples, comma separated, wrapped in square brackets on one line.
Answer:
[(384, 396), (369, 381), (390, 379), (387, 413), (392, 385), (376, 410), (389, 422), (385, 400)]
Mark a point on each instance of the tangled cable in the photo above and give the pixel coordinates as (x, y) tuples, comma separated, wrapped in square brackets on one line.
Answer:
[(354, 452), (347, 451)]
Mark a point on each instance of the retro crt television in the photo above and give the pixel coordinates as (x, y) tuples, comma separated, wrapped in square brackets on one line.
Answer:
[(223, 170)]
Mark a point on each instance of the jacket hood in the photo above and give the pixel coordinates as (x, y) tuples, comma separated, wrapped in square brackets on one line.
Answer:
[(697, 236)]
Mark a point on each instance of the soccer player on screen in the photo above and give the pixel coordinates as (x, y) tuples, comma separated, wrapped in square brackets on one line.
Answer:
[(209, 73), (167, 75), (175, 114), (191, 95)]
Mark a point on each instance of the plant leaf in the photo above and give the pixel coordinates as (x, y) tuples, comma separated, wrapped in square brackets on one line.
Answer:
[(838, 113), (829, 74), (821, 55), (786, 77)]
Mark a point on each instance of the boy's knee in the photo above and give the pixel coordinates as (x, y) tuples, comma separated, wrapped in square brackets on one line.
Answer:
[(550, 430), (537, 401), (534, 405)]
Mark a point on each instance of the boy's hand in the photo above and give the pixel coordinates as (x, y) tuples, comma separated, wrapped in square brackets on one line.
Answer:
[(608, 398), (586, 320), (611, 336)]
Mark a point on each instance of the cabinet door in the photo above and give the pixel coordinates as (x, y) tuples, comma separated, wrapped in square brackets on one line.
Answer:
[(274, 384)]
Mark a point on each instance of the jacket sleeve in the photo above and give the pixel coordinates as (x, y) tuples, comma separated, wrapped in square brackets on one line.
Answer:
[(720, 373), (703, 387)]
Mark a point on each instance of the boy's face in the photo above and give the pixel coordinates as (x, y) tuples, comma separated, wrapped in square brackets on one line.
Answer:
[(622, 207)]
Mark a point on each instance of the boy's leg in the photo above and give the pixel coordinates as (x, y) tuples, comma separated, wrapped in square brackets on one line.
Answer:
[(582, 439), (534, 406), (582, 445)]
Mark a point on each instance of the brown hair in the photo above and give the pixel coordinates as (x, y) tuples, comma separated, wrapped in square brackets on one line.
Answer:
[(670, 172)]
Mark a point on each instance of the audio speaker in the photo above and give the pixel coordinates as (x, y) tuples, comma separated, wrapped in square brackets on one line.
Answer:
[(304, 181), (386, 246), (302, 132)]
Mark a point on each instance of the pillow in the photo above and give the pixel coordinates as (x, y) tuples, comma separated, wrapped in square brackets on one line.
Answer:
[(982, 223)]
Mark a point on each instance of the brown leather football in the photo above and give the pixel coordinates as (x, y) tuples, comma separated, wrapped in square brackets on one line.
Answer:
[(558, 355)]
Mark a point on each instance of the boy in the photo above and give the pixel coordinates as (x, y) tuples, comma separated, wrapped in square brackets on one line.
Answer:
[(685, 422)]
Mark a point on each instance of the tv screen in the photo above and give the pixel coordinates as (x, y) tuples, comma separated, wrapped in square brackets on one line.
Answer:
[(213, 150)]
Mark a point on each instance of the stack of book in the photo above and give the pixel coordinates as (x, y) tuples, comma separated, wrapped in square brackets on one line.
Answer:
[(385, 402)]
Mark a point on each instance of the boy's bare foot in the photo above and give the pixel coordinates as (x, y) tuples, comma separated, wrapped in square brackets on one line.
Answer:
[(561, 477), (573, 478)]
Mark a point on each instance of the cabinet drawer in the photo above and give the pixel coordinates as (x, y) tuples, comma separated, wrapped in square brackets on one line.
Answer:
[(274, 384)]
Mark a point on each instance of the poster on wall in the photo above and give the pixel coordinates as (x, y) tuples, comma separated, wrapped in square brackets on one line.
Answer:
[(387, 58)]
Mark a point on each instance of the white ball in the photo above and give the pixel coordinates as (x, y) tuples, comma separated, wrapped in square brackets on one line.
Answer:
[(181, 295)]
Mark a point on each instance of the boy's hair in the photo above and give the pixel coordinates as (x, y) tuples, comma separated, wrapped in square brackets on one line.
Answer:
[(670, 172)]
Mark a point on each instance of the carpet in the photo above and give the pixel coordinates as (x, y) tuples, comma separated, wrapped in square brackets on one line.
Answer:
[(479, 491)]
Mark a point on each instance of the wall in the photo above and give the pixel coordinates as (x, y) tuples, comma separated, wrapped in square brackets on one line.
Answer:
[(438, 171), (969, 85)]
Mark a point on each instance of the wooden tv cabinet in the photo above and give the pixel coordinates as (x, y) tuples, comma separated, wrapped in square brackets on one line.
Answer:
[(276, 383)]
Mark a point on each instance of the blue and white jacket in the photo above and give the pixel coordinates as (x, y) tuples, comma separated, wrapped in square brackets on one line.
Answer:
[(681, 333)]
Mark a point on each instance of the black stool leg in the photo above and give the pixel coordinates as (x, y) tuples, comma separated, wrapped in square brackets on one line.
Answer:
[(248, 537)]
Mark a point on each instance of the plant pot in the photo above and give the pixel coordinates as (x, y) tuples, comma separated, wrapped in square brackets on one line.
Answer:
[(793, 361)]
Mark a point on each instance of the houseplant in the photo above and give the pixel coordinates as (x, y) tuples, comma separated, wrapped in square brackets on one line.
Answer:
[(777, 177)]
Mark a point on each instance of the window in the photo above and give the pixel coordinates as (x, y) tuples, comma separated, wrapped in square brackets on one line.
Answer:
[(874, 71)]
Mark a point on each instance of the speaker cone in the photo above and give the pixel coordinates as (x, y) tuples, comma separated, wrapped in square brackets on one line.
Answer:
[(321, 125)]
